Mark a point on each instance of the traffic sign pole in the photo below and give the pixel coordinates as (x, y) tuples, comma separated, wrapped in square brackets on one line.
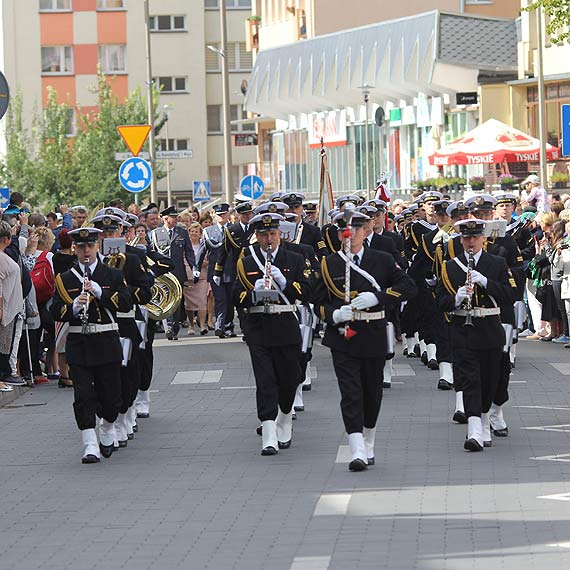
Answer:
[(565, 114)]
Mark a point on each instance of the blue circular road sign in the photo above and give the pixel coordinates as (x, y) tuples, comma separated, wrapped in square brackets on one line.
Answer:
[(252, 186), (135, 174)]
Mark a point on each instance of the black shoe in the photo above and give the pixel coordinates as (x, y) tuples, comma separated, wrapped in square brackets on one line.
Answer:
[(219, 333), (130, 436), (124, 442), (472, 445), (487, 444), (135, 427), (500, 432), (64, 383), (306, 388), (444, 385), (204, 332), (169, 335), (433, 365), (259, 430), (405, 351), (269, 450), (386, 384), (106, 450), (424, 358), (417, 350), (371, 461), (90, 459), (142, 415), (299, 408), (284, 444), (357, 465), (460, 417), (231, 334)]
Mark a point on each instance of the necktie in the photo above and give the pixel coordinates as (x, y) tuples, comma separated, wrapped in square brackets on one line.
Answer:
[(246, 228), (355, 259), (170, 233)]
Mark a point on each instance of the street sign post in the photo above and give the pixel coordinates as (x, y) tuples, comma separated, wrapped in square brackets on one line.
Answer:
[(201, 191), (4, 196), (135, 174), (160, 155), (4, 95), (252, 186), (565, 130)]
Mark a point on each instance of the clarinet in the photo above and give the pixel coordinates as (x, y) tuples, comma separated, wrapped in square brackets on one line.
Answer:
[(85, 312), (268, 264), (469, 284)]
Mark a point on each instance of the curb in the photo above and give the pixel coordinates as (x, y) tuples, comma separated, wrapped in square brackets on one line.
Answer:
[(8, 397)]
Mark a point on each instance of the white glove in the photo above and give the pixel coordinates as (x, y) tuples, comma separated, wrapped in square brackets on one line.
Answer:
[(461, 295), (479, 279), (364, 301), (343, 314), (97, 291), (431, 282), (216, 279), (278, 277), (259, 284)]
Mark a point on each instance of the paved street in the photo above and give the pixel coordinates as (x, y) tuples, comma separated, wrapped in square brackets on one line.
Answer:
[(192, 491)]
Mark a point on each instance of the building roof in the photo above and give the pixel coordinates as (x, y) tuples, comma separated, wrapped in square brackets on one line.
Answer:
[(433, 53)]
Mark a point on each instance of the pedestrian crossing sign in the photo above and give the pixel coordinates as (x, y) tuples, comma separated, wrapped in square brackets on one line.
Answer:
[(201, 191)]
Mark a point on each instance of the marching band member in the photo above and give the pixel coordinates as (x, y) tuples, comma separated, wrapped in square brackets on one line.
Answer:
[(270, 281), (88, 296), (330, 231), (473, 289), (356, 329)]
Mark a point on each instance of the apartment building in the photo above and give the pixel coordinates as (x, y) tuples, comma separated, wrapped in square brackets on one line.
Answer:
[(61, 43)]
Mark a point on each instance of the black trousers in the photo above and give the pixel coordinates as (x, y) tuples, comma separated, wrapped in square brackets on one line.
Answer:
[(219, 292), (502, 392), (97, 392), (479, 372), (409, 321), (443, 340), (360, 385), (147, 361), (178, 316), (427, 315), (277, 372), (229, 309), (131, 379)]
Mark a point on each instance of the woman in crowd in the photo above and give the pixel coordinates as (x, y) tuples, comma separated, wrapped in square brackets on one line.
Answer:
[(557, 237), (11, 303), (140, 233)]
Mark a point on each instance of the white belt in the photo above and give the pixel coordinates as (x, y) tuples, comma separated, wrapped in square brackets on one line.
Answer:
[(364, 316), (129, 315), (477, 312), (271, 309), (94, 329)]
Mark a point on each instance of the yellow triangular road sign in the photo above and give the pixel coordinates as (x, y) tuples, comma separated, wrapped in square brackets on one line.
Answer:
[(134, 136)]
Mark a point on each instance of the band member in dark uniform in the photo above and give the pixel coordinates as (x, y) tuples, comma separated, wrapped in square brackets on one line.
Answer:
[(473, 289), (236, 237), (88, 296), (330, 231), (308, 234), (356, 329), (270, 281)]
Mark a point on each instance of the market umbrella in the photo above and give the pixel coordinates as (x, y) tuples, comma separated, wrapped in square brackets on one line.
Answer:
[(492, 142)]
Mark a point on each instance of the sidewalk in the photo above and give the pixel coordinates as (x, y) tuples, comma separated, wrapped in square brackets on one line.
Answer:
[(192, 491)]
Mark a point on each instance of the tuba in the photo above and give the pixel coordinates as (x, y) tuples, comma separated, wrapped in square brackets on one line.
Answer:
[(166, 290)]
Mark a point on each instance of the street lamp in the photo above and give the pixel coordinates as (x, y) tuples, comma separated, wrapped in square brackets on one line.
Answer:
[(165, 110), (366, 94), (225, 103)]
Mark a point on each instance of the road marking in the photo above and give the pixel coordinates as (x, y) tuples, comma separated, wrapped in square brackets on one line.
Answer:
[(311, 563), (566, 409), (154, 391), (163, 342), (562, 367), (198, 377), (563, 428), (332, 504), (403, 370), (237, 387), (563, 458), (517, 381), (343, 454), (558, 497), (396, 382), (560, 545)]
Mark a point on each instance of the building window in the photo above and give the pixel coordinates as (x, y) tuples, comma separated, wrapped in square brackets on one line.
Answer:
[(110, 4), (168, 23), (113, 58), (57, 60), (239, 59), (216, 176), (55, 5), (173, 144), (173, 84), (230, 4), (237, 113)]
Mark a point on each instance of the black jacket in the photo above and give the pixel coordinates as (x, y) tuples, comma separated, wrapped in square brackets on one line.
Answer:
[(311, 235), (235, 239), (370, 340), (383, 243)]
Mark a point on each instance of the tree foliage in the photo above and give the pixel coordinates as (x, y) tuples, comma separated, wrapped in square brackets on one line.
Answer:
[(51, 167), (558, 23)]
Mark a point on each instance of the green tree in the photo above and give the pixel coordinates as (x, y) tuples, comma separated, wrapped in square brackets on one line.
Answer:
[(558, 23)]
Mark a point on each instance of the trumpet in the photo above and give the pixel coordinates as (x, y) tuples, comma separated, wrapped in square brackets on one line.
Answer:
[(85, 312), (469, 285)]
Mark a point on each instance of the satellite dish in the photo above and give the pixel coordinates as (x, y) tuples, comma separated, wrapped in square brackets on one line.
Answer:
[(379, 116), (4, 95)]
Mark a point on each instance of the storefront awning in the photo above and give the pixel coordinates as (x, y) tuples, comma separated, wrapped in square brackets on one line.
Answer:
[(432, 53)]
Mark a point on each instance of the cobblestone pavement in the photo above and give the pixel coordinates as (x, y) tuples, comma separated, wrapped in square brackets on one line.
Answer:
[(192, 491)]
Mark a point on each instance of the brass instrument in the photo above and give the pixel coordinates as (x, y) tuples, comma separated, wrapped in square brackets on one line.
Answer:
[(469, 285), (442, 234), (166, 296), (85, 311), (92, 213)]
